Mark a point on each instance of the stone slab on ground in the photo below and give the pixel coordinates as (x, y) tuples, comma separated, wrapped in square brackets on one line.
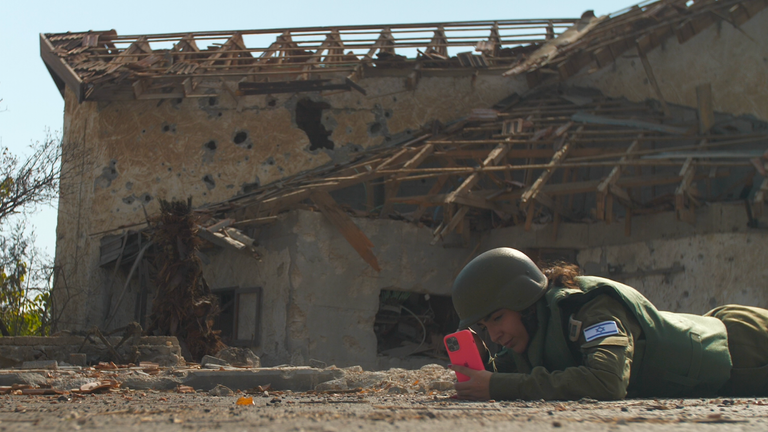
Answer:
[(284, 378)]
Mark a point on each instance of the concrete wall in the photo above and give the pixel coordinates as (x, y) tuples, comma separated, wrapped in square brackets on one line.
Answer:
[(319, 297), (130, 154), (679, 267), (736, 65)]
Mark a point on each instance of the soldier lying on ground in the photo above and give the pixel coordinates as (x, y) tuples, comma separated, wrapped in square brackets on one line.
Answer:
[(567, 337)]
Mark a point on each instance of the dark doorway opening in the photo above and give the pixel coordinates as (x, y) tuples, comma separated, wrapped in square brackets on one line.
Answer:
[(309, 116), (240, 317), (413, 324)]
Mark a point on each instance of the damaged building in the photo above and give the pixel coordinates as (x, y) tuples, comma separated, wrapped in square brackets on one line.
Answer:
[(342, 176)]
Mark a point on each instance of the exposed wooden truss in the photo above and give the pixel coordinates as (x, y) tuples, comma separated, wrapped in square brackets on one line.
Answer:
[(642, 28), (603, 160), (108, 66)]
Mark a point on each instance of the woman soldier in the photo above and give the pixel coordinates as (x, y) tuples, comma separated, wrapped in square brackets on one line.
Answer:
[(567, 337)]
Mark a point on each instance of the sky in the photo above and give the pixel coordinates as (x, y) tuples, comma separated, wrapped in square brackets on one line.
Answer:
[(32, 108)]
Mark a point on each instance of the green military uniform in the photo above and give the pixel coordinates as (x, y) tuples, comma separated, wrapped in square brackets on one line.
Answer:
[(646, 352)]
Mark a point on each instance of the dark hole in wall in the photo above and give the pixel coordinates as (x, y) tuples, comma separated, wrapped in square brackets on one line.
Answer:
[(240, 137), (209, 182), (309, 116), (410, 323), (375, 128), (225, 322), (213, 101), (211, 145)]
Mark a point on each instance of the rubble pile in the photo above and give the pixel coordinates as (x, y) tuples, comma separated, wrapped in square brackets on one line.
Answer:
[(184, 306)]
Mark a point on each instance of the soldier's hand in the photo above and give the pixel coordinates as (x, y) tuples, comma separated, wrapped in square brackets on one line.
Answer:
[(477, 388)]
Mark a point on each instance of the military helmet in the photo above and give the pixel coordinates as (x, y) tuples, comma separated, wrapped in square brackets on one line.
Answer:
[(496, 279)]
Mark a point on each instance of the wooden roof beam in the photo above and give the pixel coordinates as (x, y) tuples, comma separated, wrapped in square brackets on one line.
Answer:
[(393, 187), (608, 184), (687, 173), (346, 226), (534, 189)]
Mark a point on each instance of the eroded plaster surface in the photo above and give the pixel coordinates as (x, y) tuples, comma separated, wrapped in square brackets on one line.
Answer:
[(320, 297), (131, 154), (705, 271), (734, 61)]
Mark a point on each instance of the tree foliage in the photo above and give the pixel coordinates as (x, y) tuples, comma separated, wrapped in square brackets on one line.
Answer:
[(25, 295), (25, 183)]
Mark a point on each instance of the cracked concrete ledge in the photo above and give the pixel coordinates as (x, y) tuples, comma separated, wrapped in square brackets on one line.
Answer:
[(283, 378)]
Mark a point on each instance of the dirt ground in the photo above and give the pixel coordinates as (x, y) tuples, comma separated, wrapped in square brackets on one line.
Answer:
[(151, 410), (397, 399)]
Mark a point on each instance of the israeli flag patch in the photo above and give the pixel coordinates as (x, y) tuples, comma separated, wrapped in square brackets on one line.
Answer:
[(605, 328)]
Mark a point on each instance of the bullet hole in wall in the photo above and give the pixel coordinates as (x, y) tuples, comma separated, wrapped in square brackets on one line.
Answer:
[(374, 129), (271, 102), (309, 116), (129, 200), (108, 173), (240, 137), (210, 145), (209, 182), (213, 101), (145, 198), (169, 128)]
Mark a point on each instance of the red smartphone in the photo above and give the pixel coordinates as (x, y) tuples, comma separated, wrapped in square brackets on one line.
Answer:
[(463, 351)]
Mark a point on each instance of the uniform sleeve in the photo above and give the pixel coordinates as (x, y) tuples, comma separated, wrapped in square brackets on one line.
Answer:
[(606, 362)]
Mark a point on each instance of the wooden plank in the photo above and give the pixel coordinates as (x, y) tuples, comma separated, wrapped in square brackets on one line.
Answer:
[(610, 180), (392, 188), (642, 46), (533, 190), (704, 107), (494, 157), (638, 124), (341, 220), (455, 220), (687, 173), (61, 68)]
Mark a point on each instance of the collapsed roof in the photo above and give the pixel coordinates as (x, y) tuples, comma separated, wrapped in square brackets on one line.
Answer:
[(102, 65), (552, 156)]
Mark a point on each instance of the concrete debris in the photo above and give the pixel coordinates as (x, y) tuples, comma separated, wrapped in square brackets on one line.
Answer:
[(40, 364), (397, 390), (332, 385), (242, 357), (441, 385), (211, 360), (78, 359), (221, 390), (150, 376)]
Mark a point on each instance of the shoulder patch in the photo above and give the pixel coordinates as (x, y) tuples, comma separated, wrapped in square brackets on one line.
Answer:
[(605, 328), (574, 327)]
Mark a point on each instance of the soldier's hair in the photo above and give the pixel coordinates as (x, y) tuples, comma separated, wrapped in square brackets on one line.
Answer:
[(562, 274)]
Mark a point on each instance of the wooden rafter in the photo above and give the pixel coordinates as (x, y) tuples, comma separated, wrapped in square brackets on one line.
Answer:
[(682, 194), (608, 185), (494, 157), (439, 44), (531, 194), (392, 187), (341, 220)]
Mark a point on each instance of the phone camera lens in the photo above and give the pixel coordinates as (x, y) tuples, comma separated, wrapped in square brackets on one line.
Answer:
[(453, 344)]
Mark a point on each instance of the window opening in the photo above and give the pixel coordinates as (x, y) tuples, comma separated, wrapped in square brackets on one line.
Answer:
[(414, 324), (240, 319), (309, 116)]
